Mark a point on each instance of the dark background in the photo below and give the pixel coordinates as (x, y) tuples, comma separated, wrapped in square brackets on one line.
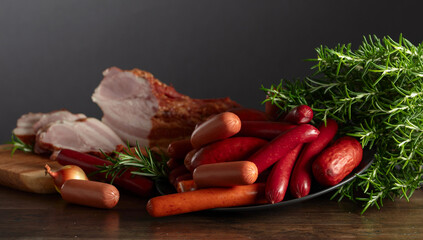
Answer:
[(52, 53)]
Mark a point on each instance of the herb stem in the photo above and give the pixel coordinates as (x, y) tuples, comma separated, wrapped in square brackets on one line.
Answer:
[(376, 94)]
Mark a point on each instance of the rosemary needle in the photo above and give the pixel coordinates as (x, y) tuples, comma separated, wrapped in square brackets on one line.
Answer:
[(147, 164), (376, 93), (19, 145)]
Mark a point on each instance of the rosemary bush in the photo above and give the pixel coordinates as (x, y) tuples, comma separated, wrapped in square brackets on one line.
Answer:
[(376, 94)]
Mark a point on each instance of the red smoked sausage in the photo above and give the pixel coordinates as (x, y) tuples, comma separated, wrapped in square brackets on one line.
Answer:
[(271, 109), (90, 193), (230, 149), (299, 115), (250, 114), (173, 163), (337, 161), (218, 127), (225, 174), (179, 149), (300, 182), (188, 159), (278, 180), (282, 145), (177, 172), (263, 129)]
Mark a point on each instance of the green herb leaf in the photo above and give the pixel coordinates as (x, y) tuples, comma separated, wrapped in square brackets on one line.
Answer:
[(376, 94), (150, 165), (17, 144)]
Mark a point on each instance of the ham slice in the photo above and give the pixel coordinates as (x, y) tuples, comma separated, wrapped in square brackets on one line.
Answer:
[(24, 130), (140, 108), (28, 124), (87, 135), (56, 116)]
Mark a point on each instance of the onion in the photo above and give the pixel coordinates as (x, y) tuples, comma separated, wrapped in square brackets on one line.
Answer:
[(65, 173)]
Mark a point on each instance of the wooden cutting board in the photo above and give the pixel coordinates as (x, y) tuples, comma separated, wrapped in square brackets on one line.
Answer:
[(25, 171)]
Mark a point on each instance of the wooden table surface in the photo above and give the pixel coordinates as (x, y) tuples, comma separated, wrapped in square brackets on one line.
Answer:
[(27, 216)]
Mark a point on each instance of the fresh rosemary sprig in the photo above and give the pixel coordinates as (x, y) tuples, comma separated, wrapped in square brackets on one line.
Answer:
[(376, 94), (17, 144), (148, 164)]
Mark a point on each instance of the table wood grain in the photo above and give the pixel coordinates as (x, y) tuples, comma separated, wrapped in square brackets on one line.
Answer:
[(27, 216)]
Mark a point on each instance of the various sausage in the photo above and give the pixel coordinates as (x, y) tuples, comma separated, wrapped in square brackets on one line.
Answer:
[(283, 144), (250, 114), (230, 149), (218, 127), (90, 193), (225, 174), (136, 184), (179, 149), (177, 172), (299, 115), (220, 164), (271, 109), (218, 167), (186, 186), (263, 129), (206, 198), (173, 163), (300, 182), (278, 180), (188, 159), (337, 161)]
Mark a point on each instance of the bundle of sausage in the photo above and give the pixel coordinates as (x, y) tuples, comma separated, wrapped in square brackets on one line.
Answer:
[(246, 157)]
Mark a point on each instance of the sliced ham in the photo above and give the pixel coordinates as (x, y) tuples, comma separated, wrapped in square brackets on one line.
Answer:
[(140, 108), (24, 130), (56, 116), (87, 135), (28, 124), (60, 129)]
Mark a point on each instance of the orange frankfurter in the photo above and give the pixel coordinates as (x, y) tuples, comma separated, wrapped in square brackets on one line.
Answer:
[(206, 198), (225, 174), (186, 186), (218, 127), (90, 193)]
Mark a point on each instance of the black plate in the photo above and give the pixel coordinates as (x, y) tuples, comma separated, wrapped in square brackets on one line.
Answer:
[(164, 188)]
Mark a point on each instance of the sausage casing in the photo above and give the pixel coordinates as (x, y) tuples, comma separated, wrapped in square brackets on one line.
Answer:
[(90, 193)]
